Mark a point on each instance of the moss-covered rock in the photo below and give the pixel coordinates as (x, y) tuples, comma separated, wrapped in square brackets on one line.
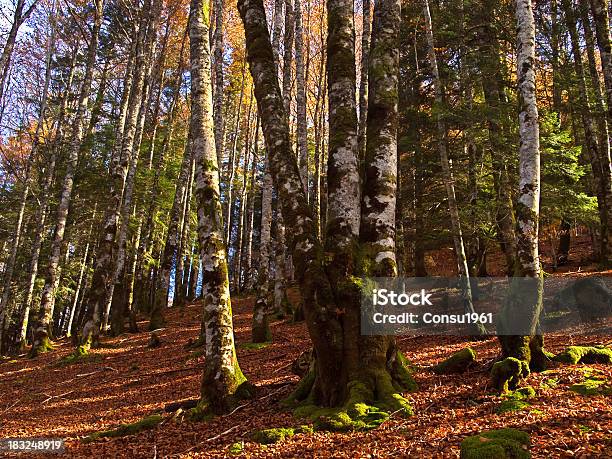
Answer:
[(269, 436), (585, 354), (236, 448), (506, 374), (496, 444), (127, 429), (456, 363)]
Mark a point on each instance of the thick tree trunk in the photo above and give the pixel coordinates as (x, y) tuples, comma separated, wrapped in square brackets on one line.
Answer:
[(45, 314), (347, 369), (223, 383)]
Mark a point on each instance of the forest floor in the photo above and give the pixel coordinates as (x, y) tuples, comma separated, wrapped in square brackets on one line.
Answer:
[(124, 380)]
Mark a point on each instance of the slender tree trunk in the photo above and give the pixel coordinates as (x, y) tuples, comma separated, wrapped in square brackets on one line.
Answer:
[(223, 383), (43, 323), (170, 249), (219, 85), (527, 349), (599, 8), (366, 31), (603, 179), (449, 182), (302, 127)]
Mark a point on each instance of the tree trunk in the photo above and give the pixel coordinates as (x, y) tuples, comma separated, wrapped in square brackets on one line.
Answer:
[(302, 126), (449, 182), (599, 8), (366, 31), (43, 322), (527, 349), (223, 383), (348, 369), (218, 69), (602, 174)]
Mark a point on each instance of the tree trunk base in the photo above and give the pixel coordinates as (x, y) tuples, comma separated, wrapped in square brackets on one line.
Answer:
[(42, 344), (157, 320), (372, 397)]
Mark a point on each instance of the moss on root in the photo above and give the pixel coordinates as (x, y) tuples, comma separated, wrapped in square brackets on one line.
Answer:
[(506, 374), (585, 354), (496, 444), (269, 436), (456, 363), (361, 411), (126, 429)]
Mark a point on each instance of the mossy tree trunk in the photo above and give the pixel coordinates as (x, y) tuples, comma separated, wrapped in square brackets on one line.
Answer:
[(527, 349), (222, 381), (348, 368)]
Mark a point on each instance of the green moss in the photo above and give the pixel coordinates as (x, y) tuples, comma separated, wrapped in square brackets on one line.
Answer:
[(523, 393), (80, 354), (255, 346), (506, 374), (456, 363), (592, 386), (511, 405), (269, 436), (127, 429), (236, 448), (585, 354), (496, 444)]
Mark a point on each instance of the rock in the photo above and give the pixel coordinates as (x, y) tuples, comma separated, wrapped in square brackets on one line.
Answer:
[(456, 363)]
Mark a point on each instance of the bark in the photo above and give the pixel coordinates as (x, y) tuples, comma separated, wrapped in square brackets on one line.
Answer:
[(333, 382), (223, 383), (288, 56), (184, 242), (42, 327)]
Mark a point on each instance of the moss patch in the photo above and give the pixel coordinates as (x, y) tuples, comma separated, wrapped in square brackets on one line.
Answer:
[(236, 448), (79, 355), (269, 436), (592, 386), (127, 429), (516, 400), (255, 346), (496, 444), (456, 363), (585, 354)]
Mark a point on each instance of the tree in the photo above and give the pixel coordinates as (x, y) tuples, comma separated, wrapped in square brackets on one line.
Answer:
[(349, 368), (223, 383)]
